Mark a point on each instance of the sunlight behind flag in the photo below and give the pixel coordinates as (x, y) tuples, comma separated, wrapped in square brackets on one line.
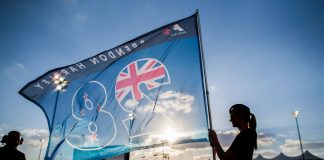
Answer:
[(170, 135)]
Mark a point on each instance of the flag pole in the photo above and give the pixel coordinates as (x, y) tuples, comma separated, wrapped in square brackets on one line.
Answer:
[(204, 76), (126, 156), (204, 71)]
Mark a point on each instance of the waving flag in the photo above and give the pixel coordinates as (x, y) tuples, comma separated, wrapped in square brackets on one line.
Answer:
[(140, 94)]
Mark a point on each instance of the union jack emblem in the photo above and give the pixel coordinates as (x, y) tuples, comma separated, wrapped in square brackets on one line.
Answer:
[(148, 71)]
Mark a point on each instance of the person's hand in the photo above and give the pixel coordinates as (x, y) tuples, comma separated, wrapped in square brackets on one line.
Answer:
[(213, 139)]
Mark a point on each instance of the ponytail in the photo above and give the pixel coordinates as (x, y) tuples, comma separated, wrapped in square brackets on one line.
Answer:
[(252, 122), (253, 125)]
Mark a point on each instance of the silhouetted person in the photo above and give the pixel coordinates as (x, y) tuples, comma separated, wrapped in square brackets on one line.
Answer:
[(245, 142), (9, 151)]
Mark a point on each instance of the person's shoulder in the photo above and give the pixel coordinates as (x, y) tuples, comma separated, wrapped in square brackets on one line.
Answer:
[(20, 154), (17, 155), (2, 149)]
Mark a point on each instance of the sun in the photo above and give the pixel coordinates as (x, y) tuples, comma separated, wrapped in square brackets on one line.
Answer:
[(169, 135)]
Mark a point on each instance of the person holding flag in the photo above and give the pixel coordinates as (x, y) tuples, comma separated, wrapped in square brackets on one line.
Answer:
[(245, 142)]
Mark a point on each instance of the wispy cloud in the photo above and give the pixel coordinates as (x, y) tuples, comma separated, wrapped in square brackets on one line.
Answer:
[(213, 89), (5, 128), (266, 139), (177, 101), (170, 102), (15, 69)]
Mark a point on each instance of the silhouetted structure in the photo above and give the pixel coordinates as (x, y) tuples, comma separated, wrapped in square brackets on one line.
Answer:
[(281, 156), (260, 157)]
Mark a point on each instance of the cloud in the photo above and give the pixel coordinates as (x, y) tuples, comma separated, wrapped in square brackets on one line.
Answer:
[(232, 132), (192, 146), (131, 103), (170, 102), (213, 89), (197, 151), (32, 137), (266, 153), (281, 135), (314, 144), (176, 101), (292, 147), (4, 128), (266, 139), (15, 69), (203, 157)]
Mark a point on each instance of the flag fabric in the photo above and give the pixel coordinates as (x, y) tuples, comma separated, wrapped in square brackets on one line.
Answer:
[(140, 94)]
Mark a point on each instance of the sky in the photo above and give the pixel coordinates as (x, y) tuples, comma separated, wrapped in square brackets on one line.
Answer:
[(265, 54)]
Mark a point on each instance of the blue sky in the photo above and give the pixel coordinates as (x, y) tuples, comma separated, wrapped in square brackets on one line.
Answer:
[(265, 54)]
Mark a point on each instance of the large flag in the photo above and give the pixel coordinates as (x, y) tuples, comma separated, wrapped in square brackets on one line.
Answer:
[(141, 94)]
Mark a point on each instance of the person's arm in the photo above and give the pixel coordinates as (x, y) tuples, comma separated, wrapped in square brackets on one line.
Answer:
[(218, 148)]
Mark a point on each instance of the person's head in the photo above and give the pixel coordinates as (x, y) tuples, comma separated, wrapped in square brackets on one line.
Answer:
[(13, 139), (240, 114)]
